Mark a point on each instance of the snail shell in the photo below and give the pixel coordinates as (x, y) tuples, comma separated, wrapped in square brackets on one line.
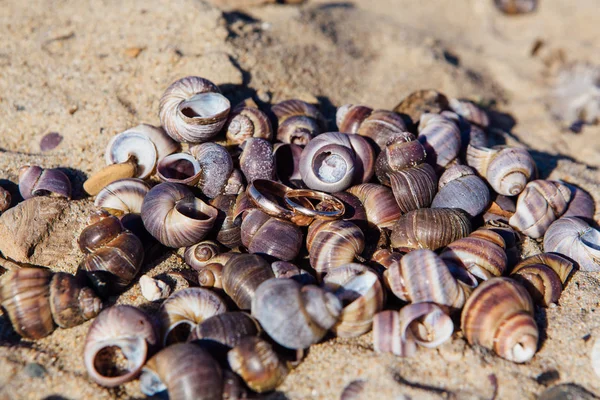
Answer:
[(257, 160), (399, 152), (540, 204), (378, 125), (179, 168), (298, 121), (421, 102), (216, 167), (513, 7), (201, 254), (422, 276), (257, 363), (293, 315), (227, 226), (441, 138), (354, 210), (543, 276), (429, 228), (227, 329), (181, 312), (154, 289), (499, 316), (284, 269), (186, 371), (460, 188), (235, 184), (144, 144), (5, 199), (379, 203), (36, 300), (211, 273), (334, 161), (362, 295), (413, 188), (113, 255), (333, 243), (193, 110), (241, 277), (386, 258), (246, 122), (263, 234), (36, 181), (388, 336), (175, 217), (123, 196), (501, 209), (581, 205), (576, 239), (470, 111), (506, 169), (127, 328)]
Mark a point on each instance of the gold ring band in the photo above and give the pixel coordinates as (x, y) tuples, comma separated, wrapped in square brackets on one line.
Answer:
[(264, 194), (331, 206)]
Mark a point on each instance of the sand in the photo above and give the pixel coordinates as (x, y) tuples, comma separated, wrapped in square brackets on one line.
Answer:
[(91, 70)]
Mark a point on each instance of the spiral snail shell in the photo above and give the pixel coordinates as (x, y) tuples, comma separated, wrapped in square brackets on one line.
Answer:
[(210, 273), (470, 111), (123, 196), (576, 239), (199, 255), (379, 203), (241, 277), (333, 243), (506, 169), (266, 235), (333, 161), (441, 138), (228, 328), (246, 122), (459, 187), (36, 181), (185, 371), (175, 217), (37, 300), (257, 160), (216, 167), (581, 205), (499, 316), (193, 110), (293, 315), (113, 255), (298, 121), (540, 204), (127, 328)]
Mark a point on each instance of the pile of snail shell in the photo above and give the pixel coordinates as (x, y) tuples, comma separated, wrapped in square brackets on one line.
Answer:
[(292, 234)]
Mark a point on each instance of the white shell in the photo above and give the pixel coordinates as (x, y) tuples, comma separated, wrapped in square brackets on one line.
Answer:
[(154, 289), (126, 195), (576, 239)]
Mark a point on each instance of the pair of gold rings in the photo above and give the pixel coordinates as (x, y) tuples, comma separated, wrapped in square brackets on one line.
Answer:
[(281, 201)]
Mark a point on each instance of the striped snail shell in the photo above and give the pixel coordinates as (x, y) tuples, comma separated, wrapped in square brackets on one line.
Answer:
[(422, 276), (379, 203), (179, 168), (293, 315), (506, 169), (378, 125), (355, 390), (333, 161), (123, 196), (185, 371), (544, 276), (175, 217), (500, 210), (421, 102), (354, 210), (298, 121), (576, 239), (499, 316), (227, 226), (581, 205), (127, 328), (181, 312), (228, 328), (113, 254), (429, 228), (216, 167), (37, 181), (257, 160), (333, 243), (37, 300), (470, 111), (400, 152), (459, 187), (361, 293), (242, 275), (266, 235), (441, 138), (540, 204), (470, 133), (201, 254), (386, 258), (193, 110), (284, 269), (246, 122)]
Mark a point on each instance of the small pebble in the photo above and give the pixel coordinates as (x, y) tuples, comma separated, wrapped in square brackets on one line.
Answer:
[(50, 141), (154, 289), (73, 109), (133, 52), (35, 370), (548, 377)]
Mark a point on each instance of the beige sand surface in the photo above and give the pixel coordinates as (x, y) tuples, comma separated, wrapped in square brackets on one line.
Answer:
[(92, 69)]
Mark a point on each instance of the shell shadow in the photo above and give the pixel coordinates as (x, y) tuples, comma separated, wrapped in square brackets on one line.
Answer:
[(541, 319), (77, 178), (328, 109), (13, 189)]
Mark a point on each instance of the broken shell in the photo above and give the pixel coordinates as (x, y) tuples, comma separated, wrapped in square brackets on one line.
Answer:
[(242, 275), (184, 310), (441, 138), (127, 328), (399, 152), (499, 316), (216, 167), (154, 289), (185, 371), (257, 160), (379, 203), (227, 329), (257, 363), (298, 121), (263, 234), (459, 187), (247, 122), (333, 243), (293, 315), (540, 204), (227, 226), (175, 217), (36, 181), (193, 110), (124, 196), (576, 239)]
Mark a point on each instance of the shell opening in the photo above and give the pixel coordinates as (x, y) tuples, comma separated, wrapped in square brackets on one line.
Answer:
[(178, 333), (204, 105), (524, 350), (329, 167), (191, 208), (112, 362), (180, 169)]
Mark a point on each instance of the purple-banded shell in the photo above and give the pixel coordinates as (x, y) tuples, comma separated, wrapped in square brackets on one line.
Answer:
[(242, 275), (123, 196), (193, 110), (216, 167), (581, 205), (414, 187), (247, 122), (441, 138), (181, 312), (470, 111), (333, 243), (460, 188), (257, 160), (379, 203), (175, 217), (576, 239), (179, 168), (298, 121), (266, 235), (36, 181), (200, 254), (388, 336), (228, 328), (146, 144), (127, 328)]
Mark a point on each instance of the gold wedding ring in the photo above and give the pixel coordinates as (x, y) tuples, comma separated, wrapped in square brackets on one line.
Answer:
[(269, 197), (329, 207)]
